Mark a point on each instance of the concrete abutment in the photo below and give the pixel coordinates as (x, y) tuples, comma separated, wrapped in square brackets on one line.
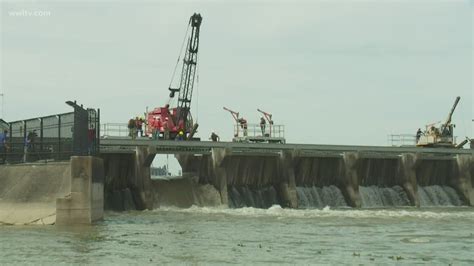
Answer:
[(85, 203), (63, 193)]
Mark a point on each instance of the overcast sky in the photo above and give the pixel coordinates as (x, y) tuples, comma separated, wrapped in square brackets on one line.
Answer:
[(333, 72)]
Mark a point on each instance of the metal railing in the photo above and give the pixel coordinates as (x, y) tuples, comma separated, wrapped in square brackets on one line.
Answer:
[(114, 129), (42, 138), (400, 140), (254, 130), (53, 138)]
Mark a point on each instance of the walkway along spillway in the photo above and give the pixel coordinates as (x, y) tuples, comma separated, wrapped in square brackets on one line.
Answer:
[(291, 175)]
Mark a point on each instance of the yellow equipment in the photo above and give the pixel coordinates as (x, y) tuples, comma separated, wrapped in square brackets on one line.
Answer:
[(442, 136)]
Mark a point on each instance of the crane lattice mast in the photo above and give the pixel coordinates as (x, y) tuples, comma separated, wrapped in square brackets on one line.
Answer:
[(188, 71)]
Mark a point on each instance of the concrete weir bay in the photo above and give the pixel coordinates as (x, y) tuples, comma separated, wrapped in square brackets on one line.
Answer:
[(290, 175), (234, 175)]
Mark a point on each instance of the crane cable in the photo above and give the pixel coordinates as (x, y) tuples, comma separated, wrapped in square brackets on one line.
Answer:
[(197, 88), (179, 58)]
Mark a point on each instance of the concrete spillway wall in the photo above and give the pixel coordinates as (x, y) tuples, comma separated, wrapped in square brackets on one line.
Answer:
[(28, 193), (353, 175), (52, 193), (288, 178)]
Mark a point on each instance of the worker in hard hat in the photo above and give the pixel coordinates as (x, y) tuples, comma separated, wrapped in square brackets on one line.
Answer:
[(180, 135), (262, 125), (132, 128), (214, 137)]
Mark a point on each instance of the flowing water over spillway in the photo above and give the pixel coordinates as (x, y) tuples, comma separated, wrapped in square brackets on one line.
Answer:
[(374, 196), (316, 197), (250, 236), (438, 196), (320, 197), (252, 197)]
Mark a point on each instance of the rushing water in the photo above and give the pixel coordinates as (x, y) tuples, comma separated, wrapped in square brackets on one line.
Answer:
[(251, 236), (315, 197), (374, 196), (319, 197), (247, 197), (438, 196)]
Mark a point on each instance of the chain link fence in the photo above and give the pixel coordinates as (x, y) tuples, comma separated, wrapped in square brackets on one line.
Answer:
[(53, 138)]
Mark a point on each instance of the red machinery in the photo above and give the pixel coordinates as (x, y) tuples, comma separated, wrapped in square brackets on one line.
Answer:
[(239, 122), (178, 118)]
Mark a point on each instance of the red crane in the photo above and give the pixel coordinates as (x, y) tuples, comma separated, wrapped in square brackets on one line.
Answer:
[(176, 121)]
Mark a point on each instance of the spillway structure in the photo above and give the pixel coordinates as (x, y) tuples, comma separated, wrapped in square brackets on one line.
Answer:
[(290, 175)]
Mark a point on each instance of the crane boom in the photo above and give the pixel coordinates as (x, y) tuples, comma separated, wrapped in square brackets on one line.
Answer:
[(188, 72), (450, 115), (234, 114), (175, 122), (267, 116)]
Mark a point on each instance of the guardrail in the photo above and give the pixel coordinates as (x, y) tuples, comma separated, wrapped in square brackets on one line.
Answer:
[(55, 137), (400, 140), (254, 130), (114, 130)]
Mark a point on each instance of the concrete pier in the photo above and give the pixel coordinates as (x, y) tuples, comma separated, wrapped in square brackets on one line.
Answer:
[(287, 184), (408, 164), (463, 178), (85, 202)]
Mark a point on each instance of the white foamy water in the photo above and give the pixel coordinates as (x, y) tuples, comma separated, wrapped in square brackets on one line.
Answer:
[(277, 211), (251, 236)]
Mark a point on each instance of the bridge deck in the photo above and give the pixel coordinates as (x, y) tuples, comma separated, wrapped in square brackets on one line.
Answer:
[(125, 145)]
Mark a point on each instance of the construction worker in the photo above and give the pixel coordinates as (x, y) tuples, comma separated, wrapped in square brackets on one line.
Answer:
[(214, 137), (166, 129), (132, 128), (139, 123), (29, 147), (180, 135), (156, 128), (91, 136), (262, 125), (418, 135), (3, 146), (243, 125)]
